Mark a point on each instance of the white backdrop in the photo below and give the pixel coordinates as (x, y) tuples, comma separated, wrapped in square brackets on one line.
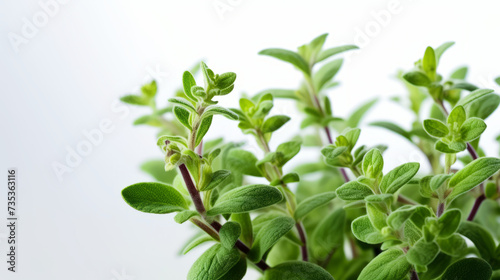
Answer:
[(64, 64)]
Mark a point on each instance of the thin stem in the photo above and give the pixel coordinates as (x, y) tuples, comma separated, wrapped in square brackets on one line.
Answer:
[(440, 209), (206, 228), (474, 209), (193, 192), (303, 238), (406, 200), (414, 275)]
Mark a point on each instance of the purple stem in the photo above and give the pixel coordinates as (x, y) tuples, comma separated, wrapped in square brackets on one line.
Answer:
[(482, 197), (303, 239), (414, 275)]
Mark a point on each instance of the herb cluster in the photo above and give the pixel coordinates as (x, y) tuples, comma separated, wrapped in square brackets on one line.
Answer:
[(338, 216)]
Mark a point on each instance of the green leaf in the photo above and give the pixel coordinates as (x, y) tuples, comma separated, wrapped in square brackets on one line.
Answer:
[(363, 229), (185, 215), (203, 129), (311, 203), (353, 190), (435, 128), (245, 199), (326, 73), (183, 103), (176, 139), (288, 56), (397, 218), (214, 263), (358, 114), (457, 116), (156, 198), (422, 253), (229, 234), (329, 234), (467, 269), (429, 63), (135, 100), (243, 161), (217, 178), (268, 235), (246, 226), (183, 116), (438, 180), (196, 242), (188, 82), (149, 90), (454, 245), (225, 80), (333, 51), (481, 238), (373, 163), (290, 178), (288, 150), (441, 49), (391, 264), (483, 107), (417, 78), (274, 123), (393, 127), (472, 175), (473, 96), (377, 218), (156, 168), (398, 177), (237, 272), (219, 110), (472, 128), (297, 270), (449, 222), (444, 148)]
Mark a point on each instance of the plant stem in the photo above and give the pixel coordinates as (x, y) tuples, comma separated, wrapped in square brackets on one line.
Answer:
[(303, 238), (406, 200), (414, 275), (474, 209), (440, 209), (195, 196), (193, 192)]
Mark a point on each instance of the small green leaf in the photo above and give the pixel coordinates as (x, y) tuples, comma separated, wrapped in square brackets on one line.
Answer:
[(472, 175), (288, 150), (391, 264), (483, 107), (441, 49), (268, 235), (457, 116), (274, 123), (373, 163), (333, 51), (149, 90), (219, 110), (217, 178), (444, 148), (422, 253), (437, 181), (329, 234), (245, 199), (246, 227), (394, 128), (176, 139), (454, 245), (229, 234), (243, 161), (156, 198), (472, 128), (214, 263), (449, 222), (188, 82), (363, 229), (398, 177), (288, 56), (311, 203), (473, 96), (183, 216), (417, 78), (467, 269), (290, 178), (377, 218), (326, 73), (183, 116), (481, 238), (353, 190), (297, 270), (225, 80), (429, 63), (183, 103), (203, 129), (397, 218), (196, 242), (436, 128), (237, 272), (135, 100)]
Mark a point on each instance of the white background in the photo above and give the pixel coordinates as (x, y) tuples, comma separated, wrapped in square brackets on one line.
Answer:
[(68, 75)]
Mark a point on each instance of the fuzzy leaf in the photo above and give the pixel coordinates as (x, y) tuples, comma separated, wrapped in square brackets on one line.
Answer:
[(472, 128), (311, 203), (417, 78), (353, 190), (398, 177), (214, 263), (373, 163), (196, 242), (335, 50), (391, 264), (326, 73), (481, 238), (449, 222), (363, 229), (183, 116), (268, 235), (472, 175), (183, 216), (156, 198), (297, 270), (188, 82), (203, 129), (183, 103), (217, 177), (245, 199), (229, 234), (454, 245), (422, 253), (436, 128), (274, 123), (243, 161), (329, 234), (219, 110), (466, 269), (473, 96)]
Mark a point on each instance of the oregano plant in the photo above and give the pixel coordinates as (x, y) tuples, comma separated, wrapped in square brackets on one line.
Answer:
[(321, 205)]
